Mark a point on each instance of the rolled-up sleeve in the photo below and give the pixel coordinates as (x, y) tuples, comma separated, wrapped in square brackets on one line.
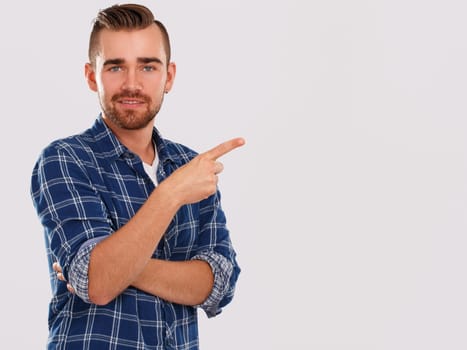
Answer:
[(222, 289), (215, 247), (79, 267)]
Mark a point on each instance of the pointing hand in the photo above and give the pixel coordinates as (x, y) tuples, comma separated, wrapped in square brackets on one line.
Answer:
[(197, 180)]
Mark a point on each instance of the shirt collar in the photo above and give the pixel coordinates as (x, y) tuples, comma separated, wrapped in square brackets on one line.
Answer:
[(167, 151)]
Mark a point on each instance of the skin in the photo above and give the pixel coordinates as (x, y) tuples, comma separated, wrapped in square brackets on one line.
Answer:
[(131, 77)]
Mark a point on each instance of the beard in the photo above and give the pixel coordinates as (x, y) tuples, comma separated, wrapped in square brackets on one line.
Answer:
[(131, 119)]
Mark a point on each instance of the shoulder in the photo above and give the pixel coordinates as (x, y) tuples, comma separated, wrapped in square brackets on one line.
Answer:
[(76, 147)]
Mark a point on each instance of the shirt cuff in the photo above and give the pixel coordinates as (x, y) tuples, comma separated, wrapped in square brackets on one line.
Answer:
[(222, 270), (78, 275)]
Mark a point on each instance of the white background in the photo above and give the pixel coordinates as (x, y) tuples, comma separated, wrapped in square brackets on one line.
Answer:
[(347, 206)]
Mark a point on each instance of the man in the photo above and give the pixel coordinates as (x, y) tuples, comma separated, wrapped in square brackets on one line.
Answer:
[(132, 221)]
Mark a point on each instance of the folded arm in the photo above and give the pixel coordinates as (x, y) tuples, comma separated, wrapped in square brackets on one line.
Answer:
[(181, 282), (122, 258)]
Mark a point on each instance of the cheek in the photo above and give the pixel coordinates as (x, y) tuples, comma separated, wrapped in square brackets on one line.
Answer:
[(106, 87), (101, 91), (154, 82)]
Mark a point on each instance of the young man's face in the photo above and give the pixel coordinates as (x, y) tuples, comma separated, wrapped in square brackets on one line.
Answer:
[(131, 76)]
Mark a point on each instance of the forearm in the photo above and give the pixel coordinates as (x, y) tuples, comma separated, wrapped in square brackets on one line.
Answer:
[(117, 260), (181, 282)]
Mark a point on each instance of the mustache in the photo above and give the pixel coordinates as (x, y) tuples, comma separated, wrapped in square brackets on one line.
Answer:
[(129, 94)]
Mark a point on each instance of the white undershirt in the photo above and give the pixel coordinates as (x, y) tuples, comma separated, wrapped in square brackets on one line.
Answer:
[(151, 170)]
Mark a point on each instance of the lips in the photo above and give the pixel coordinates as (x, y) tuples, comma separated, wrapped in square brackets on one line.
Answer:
[(131, 102), (130, 99)]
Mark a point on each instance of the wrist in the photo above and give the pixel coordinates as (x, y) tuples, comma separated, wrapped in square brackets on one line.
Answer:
[(165, 194)]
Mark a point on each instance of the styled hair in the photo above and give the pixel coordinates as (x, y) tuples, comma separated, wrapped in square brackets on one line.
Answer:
[(124, 17)]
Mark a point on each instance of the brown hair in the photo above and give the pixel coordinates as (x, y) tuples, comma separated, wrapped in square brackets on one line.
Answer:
[(124, 17)]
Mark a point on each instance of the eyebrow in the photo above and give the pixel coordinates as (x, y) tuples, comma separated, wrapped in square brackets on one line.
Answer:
[(118, 61), (149, 60)]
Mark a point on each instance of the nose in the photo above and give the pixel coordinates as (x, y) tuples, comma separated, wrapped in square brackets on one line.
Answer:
[(132, 82)]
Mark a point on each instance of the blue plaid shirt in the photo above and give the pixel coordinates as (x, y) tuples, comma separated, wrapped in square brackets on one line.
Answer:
[(84, 188)]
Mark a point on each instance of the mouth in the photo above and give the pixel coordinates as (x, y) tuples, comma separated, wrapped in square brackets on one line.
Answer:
[(130, 102)]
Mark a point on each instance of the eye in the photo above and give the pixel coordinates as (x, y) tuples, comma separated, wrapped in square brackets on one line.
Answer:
[(115, 68), (149, 68)]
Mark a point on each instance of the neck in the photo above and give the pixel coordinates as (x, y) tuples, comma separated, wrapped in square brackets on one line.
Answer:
[(137, 141)]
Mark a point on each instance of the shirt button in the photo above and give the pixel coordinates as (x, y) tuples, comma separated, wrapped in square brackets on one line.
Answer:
[(128, 155)]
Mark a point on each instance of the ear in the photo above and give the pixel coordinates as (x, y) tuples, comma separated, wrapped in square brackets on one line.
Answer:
[(171, 71), (90, 75)]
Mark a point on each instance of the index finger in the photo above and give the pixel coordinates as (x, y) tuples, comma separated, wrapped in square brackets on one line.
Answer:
[(224, 148)]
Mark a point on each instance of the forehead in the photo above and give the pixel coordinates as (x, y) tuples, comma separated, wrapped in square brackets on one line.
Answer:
[(131, 44)]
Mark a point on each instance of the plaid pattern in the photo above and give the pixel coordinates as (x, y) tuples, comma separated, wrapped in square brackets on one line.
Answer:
[(84, 188)]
